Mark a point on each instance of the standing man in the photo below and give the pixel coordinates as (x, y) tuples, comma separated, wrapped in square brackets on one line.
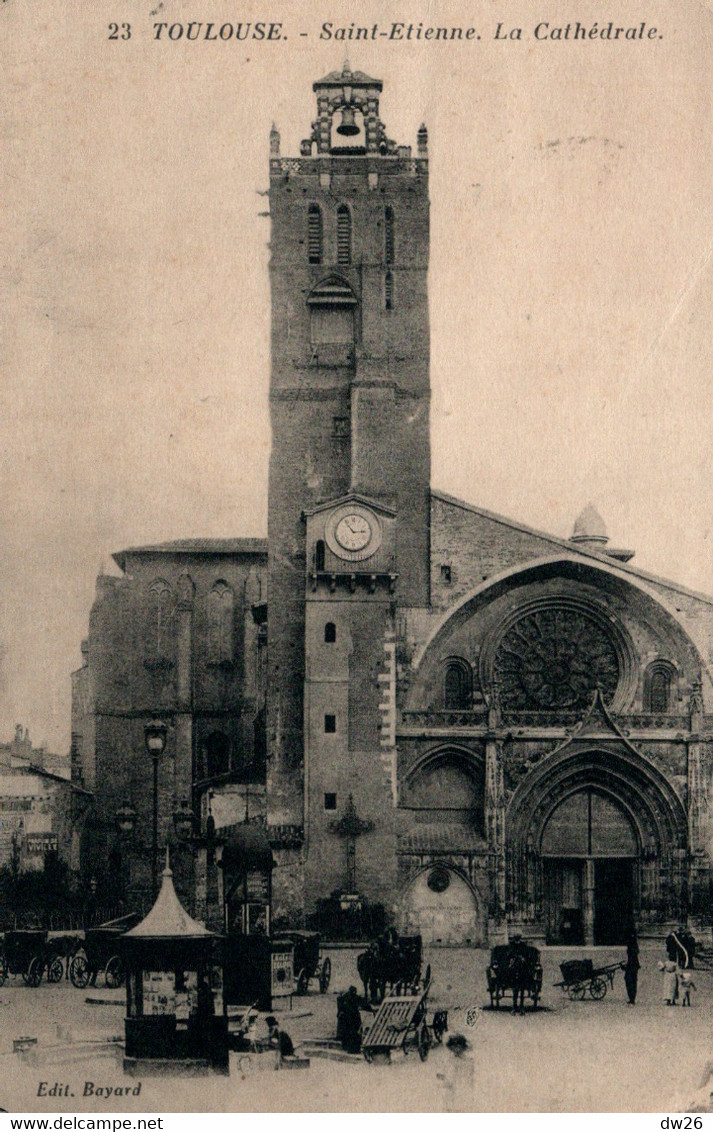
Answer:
[(631, 970)]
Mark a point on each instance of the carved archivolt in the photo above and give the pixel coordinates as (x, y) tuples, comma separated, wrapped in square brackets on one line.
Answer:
[(655, 810)]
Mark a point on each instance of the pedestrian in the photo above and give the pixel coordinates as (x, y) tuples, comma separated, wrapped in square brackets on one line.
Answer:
[(689, 942), (349, 1021), (675, 949), (631, 970), (670, 981), (279, 1040), (687, 985)]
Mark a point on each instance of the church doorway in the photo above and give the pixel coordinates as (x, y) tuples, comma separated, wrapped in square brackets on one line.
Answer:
[(590, 857), (441, 907)]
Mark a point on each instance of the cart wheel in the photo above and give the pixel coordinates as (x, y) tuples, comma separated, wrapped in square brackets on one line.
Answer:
[(325, 975), (302, 982), (424, 1042), (79, 971), (3, 968), (55, 969), (33, 974), (114, 972), (598, 988), (368, 1055), (577, 991)]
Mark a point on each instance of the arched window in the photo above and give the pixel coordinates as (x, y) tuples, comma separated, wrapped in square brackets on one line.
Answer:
[(319, 554), (344, 235), (330, 633), (658, 681), (160, 627), (314, 233), (217, 754), (220, 624), (389, 236), (457, 686), (389, 291)]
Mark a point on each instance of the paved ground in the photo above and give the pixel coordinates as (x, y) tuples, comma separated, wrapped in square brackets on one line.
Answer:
[(568, 1057)]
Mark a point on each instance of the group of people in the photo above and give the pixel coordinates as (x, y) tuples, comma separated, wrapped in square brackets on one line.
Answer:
[(680, 953), (677, 982)]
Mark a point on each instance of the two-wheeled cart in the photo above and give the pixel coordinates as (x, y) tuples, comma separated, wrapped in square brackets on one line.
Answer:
[(580, 976), (308, 962)]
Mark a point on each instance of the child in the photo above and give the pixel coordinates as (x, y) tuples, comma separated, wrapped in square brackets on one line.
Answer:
[(687, 985)]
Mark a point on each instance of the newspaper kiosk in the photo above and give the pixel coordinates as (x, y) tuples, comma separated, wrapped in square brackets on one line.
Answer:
[(175, 1017)]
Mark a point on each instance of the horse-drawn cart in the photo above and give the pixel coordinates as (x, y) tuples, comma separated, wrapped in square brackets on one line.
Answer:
[(394, 962), (515, 968), (29, 954), (309, 963), (401, 1023), (580, 976), (100, 952)]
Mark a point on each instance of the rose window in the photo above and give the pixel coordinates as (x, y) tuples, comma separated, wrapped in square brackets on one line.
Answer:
[(555, 659)]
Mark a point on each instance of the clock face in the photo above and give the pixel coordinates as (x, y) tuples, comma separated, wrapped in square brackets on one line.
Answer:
[(353, 531)]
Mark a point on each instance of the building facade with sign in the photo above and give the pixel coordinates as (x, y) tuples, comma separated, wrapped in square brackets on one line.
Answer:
[(40, 813), (479, 725)]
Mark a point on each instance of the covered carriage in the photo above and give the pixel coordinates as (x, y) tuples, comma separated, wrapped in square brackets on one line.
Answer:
[(100, 952), (515, 969), (28, 953)]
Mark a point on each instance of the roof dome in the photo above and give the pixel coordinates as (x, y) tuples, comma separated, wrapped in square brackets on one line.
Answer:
[(589, 527)]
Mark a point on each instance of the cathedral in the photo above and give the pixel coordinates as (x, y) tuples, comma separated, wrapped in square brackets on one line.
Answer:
[(415, 703)]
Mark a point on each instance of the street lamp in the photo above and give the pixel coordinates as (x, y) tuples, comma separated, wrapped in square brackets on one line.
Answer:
[(155, 738), (125, 819), (183, 821)]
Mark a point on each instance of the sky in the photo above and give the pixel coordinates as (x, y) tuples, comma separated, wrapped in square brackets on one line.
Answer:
[(571, 285)]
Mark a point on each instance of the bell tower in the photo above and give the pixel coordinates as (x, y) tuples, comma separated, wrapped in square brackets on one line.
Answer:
[(348, 518)]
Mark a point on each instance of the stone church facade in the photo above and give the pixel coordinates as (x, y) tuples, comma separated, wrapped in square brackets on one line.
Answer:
[(481, 726)]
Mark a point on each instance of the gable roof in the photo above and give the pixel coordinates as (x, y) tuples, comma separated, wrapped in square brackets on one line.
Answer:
[(575, 550)]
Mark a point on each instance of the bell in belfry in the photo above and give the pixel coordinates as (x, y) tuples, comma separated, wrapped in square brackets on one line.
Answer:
[(347, 127)]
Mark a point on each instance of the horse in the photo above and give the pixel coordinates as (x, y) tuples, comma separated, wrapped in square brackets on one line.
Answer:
[(391, 962)]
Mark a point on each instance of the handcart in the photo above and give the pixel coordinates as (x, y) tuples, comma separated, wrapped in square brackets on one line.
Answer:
[(401, 1023), (580, 976)]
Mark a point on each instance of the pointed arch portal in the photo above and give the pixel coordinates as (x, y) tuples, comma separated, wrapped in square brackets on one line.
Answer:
[(595, 838)]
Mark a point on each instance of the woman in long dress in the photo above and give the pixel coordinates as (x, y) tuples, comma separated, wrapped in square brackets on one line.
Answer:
[(670, 981)]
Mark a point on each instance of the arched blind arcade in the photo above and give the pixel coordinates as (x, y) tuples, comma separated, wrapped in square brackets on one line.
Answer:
[(161, 605), (220, 624)]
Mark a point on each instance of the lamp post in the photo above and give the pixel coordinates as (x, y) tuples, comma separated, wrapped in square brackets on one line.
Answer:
[(155, 738), (125, 819)]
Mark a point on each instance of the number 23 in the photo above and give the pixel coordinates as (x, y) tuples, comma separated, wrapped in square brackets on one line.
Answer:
[(119, 31)]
